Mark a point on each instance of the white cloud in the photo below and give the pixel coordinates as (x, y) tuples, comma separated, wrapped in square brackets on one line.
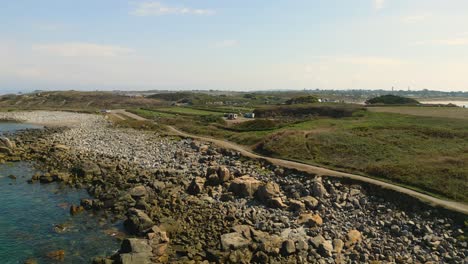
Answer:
[(81, 49), (158, 9), (227, 43), (415, 18), (379, 4)]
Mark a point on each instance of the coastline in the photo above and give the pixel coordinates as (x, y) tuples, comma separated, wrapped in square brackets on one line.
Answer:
[(175, 194)]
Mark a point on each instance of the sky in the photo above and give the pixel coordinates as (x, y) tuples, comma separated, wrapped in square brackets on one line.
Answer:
[(233, 45)]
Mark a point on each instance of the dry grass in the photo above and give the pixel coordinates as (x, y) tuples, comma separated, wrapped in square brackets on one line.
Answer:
[(448, 112)]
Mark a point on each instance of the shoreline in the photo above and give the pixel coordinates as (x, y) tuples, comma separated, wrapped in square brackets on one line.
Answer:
[(174, 194)]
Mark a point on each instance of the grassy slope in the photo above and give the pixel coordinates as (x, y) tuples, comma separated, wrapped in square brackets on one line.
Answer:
[(449, 112)]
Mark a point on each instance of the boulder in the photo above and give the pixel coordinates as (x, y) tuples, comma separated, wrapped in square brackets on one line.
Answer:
[(224, 174), (338, 245), (295, 205), (135, 245), (196, 186), (310, 220), (76, 209), (135, 258), (317, 240), (325, 249), (234, 241), (6, 151), (137, 222), (244, 186), (87, 170), (318, 190), (276, 203), (288, 247), (138, 192), (354, 237), (268, 191), (7, 143), (310, 202), (56, 255)]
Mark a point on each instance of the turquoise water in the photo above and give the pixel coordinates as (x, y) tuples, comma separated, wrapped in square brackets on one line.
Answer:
[(35, 220), (12, 127)]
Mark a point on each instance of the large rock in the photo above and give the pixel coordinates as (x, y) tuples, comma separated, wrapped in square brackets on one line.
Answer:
[(5, 150), (138, 222), (87, 170), (196, 186), (138, 192), (135, 258), (288, 247), (354, 237), (325, 249), (5, 142), (234, 241), (318, 190), (217, 175), (268, 191), (310, 220), (310, 202), (224, 174), (245, 186), (135, 245)]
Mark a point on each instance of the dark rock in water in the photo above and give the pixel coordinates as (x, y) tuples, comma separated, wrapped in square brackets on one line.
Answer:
[(30, 261), (135, 245), (135, 258), (100, 260), (76, 209), (46, 178), (57, 255), (13, 177), (138, 222)]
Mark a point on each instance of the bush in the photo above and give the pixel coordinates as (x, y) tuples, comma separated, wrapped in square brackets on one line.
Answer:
[(392, 100)]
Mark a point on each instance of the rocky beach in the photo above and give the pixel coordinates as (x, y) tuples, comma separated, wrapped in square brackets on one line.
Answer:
[(187, 201)]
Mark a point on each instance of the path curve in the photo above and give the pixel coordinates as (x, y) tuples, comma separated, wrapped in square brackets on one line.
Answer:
[(433, 201)]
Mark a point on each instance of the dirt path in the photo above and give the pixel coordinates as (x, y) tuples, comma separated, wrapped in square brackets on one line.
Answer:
[(454, 206), (122, 112), (436, 202)]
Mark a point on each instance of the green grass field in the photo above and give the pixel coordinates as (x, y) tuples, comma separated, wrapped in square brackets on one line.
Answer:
[(186, 111)]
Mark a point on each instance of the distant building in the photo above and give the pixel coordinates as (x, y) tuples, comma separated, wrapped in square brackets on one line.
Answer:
[(232, 116), (249, 115)]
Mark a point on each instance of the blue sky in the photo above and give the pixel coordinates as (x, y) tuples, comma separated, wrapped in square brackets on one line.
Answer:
[(238, 45)]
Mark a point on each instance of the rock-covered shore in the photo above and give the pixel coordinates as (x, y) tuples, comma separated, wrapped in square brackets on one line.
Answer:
[(189, 202)]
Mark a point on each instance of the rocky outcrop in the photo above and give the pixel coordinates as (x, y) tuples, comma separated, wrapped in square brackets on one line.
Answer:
[(138, 222), (245, 186)]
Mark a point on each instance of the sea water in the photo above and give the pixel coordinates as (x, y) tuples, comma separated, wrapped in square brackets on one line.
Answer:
[(35, 219)]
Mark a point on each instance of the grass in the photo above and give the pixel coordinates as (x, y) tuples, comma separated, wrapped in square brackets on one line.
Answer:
[(188, 111), (448, 112)]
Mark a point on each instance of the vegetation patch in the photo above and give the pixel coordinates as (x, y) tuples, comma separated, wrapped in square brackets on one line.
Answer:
[(304, 111), (391, 100)]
